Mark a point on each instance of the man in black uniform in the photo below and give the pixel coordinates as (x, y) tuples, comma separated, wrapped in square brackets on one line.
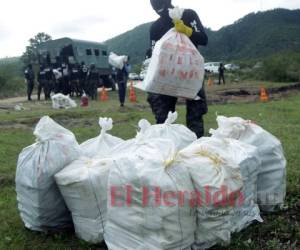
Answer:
[(65, 78), (192, 27), (83, 70), (49, 82), (45, 81), (122, 78), (74, 79), (29, 77), (92, 81), (221, 73)]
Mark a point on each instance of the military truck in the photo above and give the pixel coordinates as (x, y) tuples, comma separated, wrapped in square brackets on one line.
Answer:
[(73, 51)]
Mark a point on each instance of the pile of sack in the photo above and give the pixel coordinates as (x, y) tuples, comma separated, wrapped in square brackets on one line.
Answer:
[(163, 189)]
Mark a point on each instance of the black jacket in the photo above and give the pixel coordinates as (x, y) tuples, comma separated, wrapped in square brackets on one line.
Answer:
[(122, 75), (165, 23), (29, 75)]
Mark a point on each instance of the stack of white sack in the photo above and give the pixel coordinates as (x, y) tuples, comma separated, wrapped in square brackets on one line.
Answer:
[(60, 101), (102, 144), (40, 203), (271, 182), (218, 182), (176, 67), (116, 60), (83, 185), (145, 208)]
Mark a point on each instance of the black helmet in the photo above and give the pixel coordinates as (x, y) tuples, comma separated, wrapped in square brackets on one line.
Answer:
[(161, 6)]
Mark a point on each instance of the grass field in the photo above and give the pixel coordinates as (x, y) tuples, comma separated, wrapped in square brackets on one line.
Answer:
[(281, 118)]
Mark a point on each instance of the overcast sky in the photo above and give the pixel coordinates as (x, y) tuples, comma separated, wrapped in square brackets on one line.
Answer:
[(99, 20)]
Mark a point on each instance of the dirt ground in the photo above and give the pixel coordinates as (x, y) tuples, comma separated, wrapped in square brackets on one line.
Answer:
[(248, 94), (215, 95)]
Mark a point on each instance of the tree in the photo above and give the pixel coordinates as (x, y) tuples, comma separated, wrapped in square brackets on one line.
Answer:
[(31, 53)]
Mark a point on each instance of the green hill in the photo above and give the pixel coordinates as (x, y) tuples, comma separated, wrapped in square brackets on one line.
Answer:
[(134, 43), (254, 36)]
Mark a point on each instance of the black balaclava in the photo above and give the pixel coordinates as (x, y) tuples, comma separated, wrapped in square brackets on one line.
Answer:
[(161, 6)]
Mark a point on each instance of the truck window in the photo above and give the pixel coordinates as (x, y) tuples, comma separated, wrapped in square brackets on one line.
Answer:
[(88, 52), (104, 53), (97, 53)]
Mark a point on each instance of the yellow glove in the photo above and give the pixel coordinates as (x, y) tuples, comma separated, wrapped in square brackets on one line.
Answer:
[(182, 28)]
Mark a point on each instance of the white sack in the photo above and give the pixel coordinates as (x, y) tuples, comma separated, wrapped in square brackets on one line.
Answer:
[(271, 183), (212, 171), (247, 159), (148, 225), (116, 60), (176, 67), (176, 13), (60, 101), (179, 134), (83, 185), (102, 144), (131, 145), (40, 203)]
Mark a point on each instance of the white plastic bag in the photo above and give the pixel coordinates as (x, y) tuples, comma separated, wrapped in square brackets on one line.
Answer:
[(176, 13), (130, 146), (40, 203), (179, 134), (83, 185), (60, 101), (271, 182), (176, 67), (116, 60), (217, 181), (134, 219), (102, 144)]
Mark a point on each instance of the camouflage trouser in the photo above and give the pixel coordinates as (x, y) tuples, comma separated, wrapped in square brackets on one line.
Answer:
[(162, 104)]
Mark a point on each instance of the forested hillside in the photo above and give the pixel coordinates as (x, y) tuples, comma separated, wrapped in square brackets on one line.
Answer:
[(254, 36)]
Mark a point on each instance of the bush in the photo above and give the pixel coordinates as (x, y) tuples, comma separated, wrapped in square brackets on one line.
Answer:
[(11, 79), (281, 68)]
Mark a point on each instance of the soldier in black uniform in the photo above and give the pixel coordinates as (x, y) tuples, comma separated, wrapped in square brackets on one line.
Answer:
[(45, 81), (83, 70), (29, 77), (192, 27), (75, 81), (122, 78), (221, 70), (65, 79), (49, 82), (92, 80)]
